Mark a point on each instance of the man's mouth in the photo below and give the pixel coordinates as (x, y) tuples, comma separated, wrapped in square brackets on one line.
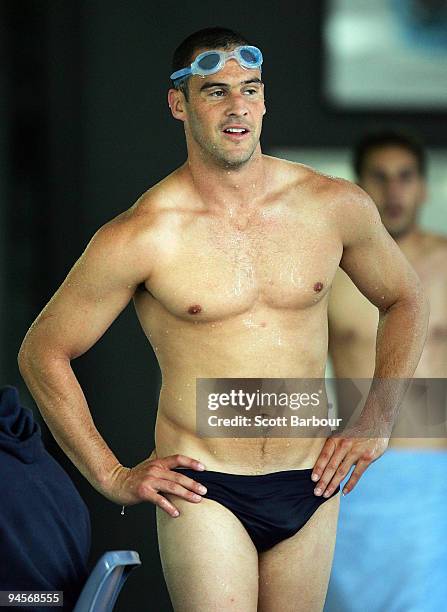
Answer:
[(236, 132), (394, 210)]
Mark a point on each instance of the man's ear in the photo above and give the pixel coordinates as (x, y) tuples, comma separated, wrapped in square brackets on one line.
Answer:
[(176, 102)]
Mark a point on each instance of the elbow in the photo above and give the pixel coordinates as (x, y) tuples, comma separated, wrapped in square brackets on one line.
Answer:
[(26, 350), (38, 364), (415, 301), (34, 352), (25, 357)]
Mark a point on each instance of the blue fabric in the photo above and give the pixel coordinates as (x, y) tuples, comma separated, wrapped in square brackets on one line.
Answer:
[(44, 524), (391, 548)]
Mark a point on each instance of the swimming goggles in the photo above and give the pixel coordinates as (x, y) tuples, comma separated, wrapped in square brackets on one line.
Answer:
[(210, 62)]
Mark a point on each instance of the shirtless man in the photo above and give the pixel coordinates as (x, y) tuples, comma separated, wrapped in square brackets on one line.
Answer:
[(391, 167), (229, 262)]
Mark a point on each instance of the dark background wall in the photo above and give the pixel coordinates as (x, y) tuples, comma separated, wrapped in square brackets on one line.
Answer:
[(85, 129)]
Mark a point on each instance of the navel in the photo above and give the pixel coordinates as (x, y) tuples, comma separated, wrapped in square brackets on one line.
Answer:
[(195, 309)]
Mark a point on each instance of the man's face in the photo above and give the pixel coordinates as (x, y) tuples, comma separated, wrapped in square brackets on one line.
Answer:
[(391, 176), (230, 98)]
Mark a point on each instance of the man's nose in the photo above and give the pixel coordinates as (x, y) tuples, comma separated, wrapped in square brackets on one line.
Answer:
[(393, 186), (237, 105)]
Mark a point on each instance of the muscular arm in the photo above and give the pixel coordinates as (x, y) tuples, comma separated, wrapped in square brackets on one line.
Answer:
[(381, 272), (96, 290)]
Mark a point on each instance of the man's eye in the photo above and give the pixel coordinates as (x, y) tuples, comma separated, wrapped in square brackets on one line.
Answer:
[(251, 91), (378, 177), (216, 93), (406, 176)]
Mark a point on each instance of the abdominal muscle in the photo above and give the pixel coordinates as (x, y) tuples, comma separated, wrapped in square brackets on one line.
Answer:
[(175, 432), (259, 344)]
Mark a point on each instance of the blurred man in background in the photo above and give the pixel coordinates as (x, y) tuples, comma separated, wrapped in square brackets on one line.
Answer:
[(390, 552)]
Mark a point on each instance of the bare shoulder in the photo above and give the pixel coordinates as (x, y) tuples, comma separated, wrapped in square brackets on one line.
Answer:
[(338, 198), (323, 185), (289, 174), (138, 225)]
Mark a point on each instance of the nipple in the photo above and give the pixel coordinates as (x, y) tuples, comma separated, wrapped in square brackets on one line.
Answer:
[(318, 287), (195, 309)]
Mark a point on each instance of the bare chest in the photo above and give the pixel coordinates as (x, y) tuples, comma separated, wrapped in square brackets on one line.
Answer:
[(214, 269)]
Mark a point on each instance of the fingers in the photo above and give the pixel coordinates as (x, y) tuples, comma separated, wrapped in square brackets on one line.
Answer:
[(334, 466), (143, 482), (159, 479), (331, 478), (170, 486), (165, 505), (149, 491), (327, 486), (323, 459), (173, 461), (162, 479), (355, 476)]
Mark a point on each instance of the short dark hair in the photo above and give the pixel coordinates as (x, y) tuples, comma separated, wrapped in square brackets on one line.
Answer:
[(388, 138), (208, 38)]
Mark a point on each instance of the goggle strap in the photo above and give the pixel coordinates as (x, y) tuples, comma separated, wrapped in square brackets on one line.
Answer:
[(180, 73)]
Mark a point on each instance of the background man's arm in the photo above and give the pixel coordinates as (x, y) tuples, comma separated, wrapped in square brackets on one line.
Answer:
[(96, 290)]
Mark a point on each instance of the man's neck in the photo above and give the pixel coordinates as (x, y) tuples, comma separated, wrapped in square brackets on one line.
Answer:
[(229, 188)]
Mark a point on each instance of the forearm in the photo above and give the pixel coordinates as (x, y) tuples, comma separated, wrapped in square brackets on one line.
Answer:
[(400, 339), (63, 406)]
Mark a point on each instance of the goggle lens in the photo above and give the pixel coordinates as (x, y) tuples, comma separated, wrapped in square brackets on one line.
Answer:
[(249, 56), (210, 61)]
